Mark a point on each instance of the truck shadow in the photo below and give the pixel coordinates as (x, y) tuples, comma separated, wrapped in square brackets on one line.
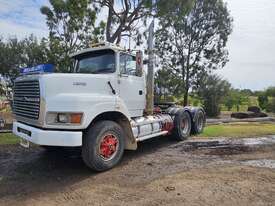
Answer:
[(28, 172)]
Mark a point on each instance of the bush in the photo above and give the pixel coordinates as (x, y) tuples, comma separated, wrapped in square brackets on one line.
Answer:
[(212, 109), (212, 92), (235, 98), (270, 92), (263, 100), (270, 107)]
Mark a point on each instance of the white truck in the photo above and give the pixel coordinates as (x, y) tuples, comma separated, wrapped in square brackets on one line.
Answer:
[(100, 106)]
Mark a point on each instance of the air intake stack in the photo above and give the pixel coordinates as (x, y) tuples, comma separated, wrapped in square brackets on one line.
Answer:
[(150, 73)]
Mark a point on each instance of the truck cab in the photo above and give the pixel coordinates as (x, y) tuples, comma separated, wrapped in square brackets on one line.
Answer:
[(99, 106)]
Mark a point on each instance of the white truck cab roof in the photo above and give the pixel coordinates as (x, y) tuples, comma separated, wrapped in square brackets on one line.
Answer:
[(98, 47)]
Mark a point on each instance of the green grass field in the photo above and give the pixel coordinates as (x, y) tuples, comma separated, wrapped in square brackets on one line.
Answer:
[(229, 130), (8, 138), (239, 130)]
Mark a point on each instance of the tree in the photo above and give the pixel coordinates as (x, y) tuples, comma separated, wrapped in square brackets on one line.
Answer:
[(263, 100), (247, 92), (236, 98), (270, 91), (15, 54), (126, 16), (123, 17), (167, 84), (10, 57), (212, 92), (194, 44), (270, 107), (34, 51), (71, 27), (229, 102)]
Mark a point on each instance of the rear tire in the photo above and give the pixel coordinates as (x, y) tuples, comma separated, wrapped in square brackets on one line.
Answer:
[(182, 125), (199, 122), (103, 145)]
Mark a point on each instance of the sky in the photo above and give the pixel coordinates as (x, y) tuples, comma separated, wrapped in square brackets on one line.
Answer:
[(251, 45), (22, 18)]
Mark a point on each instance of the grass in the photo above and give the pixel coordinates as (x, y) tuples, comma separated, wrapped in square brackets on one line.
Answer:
[(239, 130), (8, 138), (214, 131)]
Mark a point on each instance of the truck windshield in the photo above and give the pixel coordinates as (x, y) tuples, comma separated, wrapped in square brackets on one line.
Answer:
[(96, 62)]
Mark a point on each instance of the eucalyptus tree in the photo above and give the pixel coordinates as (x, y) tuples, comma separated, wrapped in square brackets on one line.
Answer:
[(195, 43), (124, 17), (71, 27), (127, 17)]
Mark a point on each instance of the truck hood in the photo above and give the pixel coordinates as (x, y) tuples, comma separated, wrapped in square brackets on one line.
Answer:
[(60, 84)]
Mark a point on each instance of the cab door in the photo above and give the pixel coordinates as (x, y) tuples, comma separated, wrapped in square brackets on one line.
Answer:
[(131, 86)]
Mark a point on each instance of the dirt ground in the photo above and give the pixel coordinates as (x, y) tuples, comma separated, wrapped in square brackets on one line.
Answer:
[(7, 116), (161, 172)]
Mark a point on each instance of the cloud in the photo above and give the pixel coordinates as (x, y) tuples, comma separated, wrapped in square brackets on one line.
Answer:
[(252, 44), (11, 29), (22, 18)]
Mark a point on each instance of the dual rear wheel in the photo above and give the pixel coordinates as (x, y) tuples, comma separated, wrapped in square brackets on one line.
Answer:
[(185, 125)]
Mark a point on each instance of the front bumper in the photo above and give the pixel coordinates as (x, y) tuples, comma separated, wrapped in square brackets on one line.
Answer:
[(47, 137)]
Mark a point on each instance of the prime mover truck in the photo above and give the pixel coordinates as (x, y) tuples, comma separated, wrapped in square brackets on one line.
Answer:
[(104, 106)]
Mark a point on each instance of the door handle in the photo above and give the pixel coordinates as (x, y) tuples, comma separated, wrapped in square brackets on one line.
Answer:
[(112, 88)]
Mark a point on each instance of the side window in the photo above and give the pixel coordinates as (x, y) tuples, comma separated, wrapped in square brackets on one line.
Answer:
[(127, 64)]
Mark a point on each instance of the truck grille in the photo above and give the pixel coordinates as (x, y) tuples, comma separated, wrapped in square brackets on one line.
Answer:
[(26, 99)]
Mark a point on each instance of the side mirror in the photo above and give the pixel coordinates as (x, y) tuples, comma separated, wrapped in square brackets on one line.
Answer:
[(139, 63)]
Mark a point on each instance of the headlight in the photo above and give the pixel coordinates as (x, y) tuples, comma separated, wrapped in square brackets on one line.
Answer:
[(64, 118)]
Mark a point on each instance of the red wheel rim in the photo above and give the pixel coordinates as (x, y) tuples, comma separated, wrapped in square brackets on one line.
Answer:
[(108, 146)]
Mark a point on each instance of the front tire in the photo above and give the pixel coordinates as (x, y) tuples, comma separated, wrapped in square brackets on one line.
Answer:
[(103, 145)]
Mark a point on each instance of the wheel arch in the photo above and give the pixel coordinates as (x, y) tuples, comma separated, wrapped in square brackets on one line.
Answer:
[(123, 121)]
